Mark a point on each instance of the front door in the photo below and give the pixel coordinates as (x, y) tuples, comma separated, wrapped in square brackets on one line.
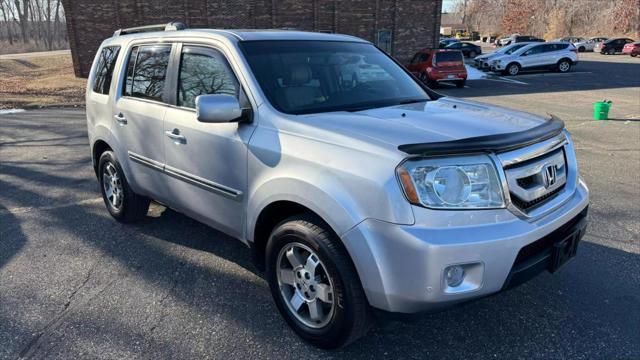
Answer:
[(139, 115), (206, 163)]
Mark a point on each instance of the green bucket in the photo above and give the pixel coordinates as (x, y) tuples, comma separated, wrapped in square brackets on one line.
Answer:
[(601, 110)]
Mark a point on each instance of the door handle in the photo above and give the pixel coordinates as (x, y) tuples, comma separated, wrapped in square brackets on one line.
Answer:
[(175, 136), (120, 119)]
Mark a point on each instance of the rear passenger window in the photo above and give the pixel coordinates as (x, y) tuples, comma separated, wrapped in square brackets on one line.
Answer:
[(204, 71), (104, 69), (146, 71)]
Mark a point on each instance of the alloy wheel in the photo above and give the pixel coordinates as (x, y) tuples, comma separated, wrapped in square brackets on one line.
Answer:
[(112, 185), (564, 66), (513, 69), (305, 285)]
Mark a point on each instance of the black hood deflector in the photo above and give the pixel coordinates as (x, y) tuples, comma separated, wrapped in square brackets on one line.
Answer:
[(489, 143)]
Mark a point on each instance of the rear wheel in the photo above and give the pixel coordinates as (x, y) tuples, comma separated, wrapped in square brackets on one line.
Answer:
[(512, 69), (634, 55), (564, 65), (314, 283), (581, 49), (123, 204), (472, 54), (460, 83), (611, 51)]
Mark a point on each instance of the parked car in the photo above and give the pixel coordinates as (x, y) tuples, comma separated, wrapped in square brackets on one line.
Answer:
[(520, 38), (468, 49), (588, 45), (570, 39), (560, 56), (507, 40), (612, 46), (382, 195), (432, 66), (444, 42), (484, 61), (632, 49)]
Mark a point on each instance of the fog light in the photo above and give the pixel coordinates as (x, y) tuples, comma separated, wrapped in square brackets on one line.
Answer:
[(454, 275)]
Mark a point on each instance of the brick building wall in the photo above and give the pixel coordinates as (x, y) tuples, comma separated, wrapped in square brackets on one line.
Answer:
[(412, 24)]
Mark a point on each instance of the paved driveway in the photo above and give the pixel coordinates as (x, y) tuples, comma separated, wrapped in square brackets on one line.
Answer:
[(76, 284)]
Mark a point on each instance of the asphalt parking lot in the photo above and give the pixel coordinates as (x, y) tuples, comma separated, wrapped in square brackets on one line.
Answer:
[(76, 284)]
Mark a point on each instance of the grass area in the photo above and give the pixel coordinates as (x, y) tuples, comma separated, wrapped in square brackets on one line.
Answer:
[(39, 81)]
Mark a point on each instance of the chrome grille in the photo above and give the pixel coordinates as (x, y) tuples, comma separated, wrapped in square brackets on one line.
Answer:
[(535, 181)]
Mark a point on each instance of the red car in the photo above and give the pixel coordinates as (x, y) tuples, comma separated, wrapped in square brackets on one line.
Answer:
[(436, 65), (632, 49)]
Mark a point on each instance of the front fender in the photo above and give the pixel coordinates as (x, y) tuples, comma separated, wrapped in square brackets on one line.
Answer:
[(337, 209)]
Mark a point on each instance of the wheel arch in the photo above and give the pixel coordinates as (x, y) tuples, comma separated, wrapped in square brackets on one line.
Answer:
[(98, 147), (269, 205)]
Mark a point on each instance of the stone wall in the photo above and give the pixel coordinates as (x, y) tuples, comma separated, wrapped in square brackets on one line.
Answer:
[(414, 24)]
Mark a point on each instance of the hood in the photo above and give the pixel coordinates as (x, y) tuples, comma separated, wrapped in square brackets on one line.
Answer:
[(444, 119)]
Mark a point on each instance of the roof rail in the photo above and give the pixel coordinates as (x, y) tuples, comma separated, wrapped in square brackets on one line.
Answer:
[(172, 26)]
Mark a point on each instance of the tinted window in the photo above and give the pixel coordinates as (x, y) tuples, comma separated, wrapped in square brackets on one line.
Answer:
[(104, 69), (204, 71), (448, 56), (146, 71), (302, 77), (535, 50), (454, 46)]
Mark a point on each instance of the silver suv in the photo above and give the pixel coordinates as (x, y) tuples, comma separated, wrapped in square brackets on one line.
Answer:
[(559, 56), (355, 186)]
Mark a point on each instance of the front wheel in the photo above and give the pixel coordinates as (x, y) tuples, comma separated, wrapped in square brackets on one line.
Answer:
[(314, 283), (581, 49), (611, 51), (460, 83), (634, 55), (512, 69), (472, 54), (123, 204), (564, 66)]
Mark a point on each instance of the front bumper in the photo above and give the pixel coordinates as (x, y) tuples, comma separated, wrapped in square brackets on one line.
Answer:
[(402, 267)]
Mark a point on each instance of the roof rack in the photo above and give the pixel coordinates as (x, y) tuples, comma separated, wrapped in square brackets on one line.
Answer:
[(172, 26)]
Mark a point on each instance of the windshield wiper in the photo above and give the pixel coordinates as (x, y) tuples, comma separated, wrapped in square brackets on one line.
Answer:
[(411, 101)]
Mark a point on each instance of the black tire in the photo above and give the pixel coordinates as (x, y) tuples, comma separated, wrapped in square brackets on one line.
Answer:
[(133, 207), (512, 69), (460, 83), (472, 54), (581, 49), (611, 51), (563, 66), (352, 316), (634, 55), (424, 77)]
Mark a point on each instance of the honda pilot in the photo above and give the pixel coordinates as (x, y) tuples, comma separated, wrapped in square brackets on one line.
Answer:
[(358, 189)]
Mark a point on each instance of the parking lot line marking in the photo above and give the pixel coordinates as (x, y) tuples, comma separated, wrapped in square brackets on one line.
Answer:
[(555, 74), (20, 210), (507, 80)]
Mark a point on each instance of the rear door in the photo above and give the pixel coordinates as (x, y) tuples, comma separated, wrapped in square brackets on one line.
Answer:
[(206, 163), (418, 63), (138, 117)]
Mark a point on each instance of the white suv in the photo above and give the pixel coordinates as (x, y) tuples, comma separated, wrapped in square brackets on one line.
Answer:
[(559, 56)]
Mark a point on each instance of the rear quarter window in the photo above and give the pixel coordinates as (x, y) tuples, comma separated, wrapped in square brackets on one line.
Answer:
[(104, 69)]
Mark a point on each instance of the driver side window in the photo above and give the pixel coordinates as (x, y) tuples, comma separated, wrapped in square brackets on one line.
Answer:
[(204, 71)]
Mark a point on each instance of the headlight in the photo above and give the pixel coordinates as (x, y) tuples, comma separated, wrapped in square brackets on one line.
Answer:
[(452, 183)]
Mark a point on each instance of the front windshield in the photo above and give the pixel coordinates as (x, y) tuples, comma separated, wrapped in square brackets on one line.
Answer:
[(320, 76)]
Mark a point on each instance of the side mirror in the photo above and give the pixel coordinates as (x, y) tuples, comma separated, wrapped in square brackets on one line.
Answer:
[(217, 109)]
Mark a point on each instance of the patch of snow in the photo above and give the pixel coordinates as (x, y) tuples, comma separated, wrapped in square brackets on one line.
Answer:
[(10, 111), (474, 74)]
